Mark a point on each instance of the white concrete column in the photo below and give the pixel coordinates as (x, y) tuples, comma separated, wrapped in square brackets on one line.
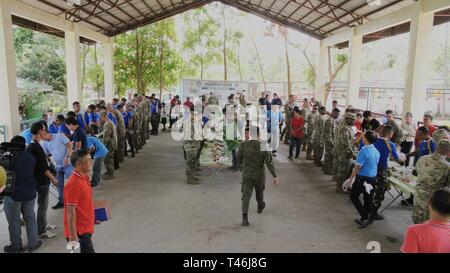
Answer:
[(108, 66), (354, 69), (418, 61), (321, 74), (8, 94), (73, 66)]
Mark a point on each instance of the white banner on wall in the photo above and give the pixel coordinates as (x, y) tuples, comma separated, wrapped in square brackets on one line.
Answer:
[(222, 89)]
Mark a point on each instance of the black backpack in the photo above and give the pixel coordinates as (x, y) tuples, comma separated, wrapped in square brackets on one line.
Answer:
[(7, 161)]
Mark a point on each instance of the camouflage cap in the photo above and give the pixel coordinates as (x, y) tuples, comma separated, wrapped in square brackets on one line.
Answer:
[(350, 115), (102, 113), (440, 134), (444, 143)]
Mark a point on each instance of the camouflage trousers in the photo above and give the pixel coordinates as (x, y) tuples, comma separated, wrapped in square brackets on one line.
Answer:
[(318, 150), (420, 211), (143, 133), (309, 144), (286, 131), (327, 167), (258, 183), (344, 167), (380, 188), (335, 163), (109, 162), (191, 154), (120, 146)]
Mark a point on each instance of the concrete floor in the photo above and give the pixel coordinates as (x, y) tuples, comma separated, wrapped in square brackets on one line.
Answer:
[(154, 210)]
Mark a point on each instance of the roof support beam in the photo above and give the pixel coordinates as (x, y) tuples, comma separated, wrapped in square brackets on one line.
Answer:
[(365, 15), (25, 11), (389, 20), (264, 13), (164, 15)]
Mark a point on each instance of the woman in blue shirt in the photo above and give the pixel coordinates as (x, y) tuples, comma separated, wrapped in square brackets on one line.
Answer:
[(365, 173)]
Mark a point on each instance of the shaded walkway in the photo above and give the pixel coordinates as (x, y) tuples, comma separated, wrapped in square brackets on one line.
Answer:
[(154, 210)]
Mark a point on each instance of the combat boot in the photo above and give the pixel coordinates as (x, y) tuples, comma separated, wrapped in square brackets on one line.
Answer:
[(245, 222), (192, 181), (107, 176), (261, 208)]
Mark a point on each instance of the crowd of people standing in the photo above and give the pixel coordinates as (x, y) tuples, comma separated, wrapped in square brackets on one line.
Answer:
[(62, 150)]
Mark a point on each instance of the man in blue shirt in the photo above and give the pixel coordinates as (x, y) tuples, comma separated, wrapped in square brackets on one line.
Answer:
[(59, 147), (91, 116), (79, 115), (54, 127), (154, 115), (79, 137), (99, 151), (111, 116), (387, 150), (364, 172)]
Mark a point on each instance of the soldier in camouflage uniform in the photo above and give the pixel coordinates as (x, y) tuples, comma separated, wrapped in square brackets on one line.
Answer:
[(191, 147), (318, 139), (329, 135), (339, 124), (212, 100), (132, 130), (121, 134), (288, 111), (252, 157), (109, 138), (432, 174), (345, 150), (310, 131), (137, 113), (143, 119)]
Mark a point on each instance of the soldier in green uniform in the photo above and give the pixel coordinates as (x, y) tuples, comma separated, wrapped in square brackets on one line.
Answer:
[(310, 131), (137, 113), (132, 130), (142, 121), (432, 174), (109, 138), (339, 124), (288, 111), (345, 150), (329, 135), (252, 158), (318, 138), (121, 134)]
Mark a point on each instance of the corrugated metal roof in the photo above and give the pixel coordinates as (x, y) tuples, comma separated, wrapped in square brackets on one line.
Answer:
[(318, 18)]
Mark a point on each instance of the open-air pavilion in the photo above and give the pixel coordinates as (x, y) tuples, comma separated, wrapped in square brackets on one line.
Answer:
[(346, 23), (166, 215)]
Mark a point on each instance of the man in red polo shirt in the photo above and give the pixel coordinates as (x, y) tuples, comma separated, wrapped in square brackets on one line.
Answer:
[(79, 214), (432, 236)]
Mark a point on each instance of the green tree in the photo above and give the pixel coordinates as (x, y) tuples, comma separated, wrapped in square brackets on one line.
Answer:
[(146, 57), (40, 57), (200, 42)]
